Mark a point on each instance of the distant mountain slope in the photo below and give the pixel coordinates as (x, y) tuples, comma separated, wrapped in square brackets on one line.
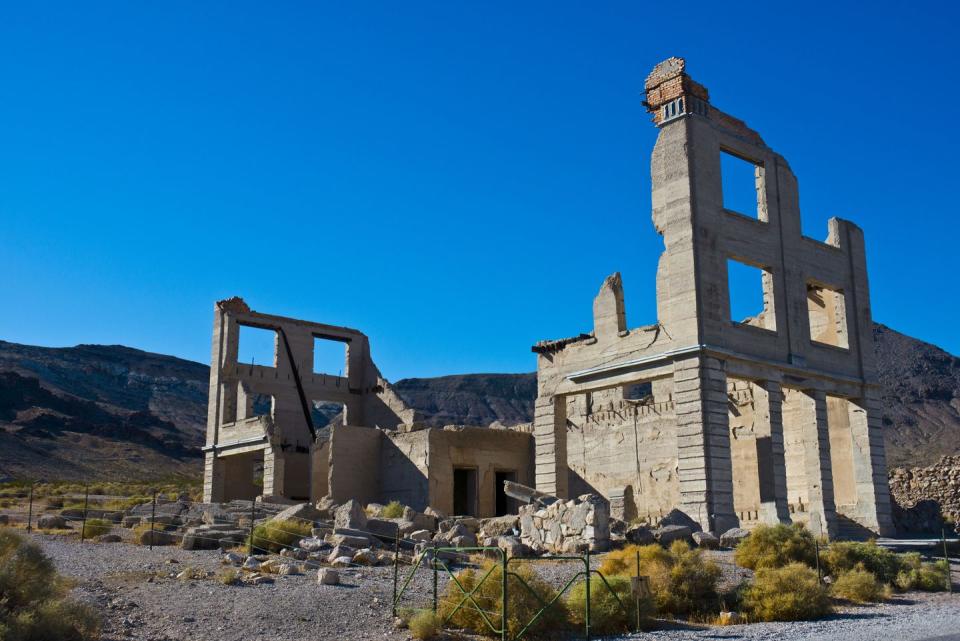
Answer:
[(96, 411), (471, 399), (921, 399)]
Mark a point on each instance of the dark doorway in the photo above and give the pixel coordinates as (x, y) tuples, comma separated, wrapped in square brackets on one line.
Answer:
[(464, 492), (504, 504)]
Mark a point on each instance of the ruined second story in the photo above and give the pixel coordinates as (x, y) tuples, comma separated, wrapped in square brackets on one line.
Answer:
[(282, 401), (815, 318)]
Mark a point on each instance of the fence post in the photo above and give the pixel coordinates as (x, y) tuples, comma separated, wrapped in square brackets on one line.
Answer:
[(86, 499), (946, 559), (433, 564), (396, 569), (587, 598), (636, 594), (153, 517), (504, 633), (816, 544), (30, 510), (253, 516)]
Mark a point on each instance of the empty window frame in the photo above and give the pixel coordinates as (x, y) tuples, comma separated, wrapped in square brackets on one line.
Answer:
[(257, 346), (329, 355), (827, 311), (751, 295), (743, 186)]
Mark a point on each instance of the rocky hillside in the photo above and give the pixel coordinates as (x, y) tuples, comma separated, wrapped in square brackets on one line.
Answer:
[(114, 412), (98, 411)]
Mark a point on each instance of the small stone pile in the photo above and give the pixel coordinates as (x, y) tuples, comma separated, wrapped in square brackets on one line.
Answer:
[(552, 525), (925, 496)]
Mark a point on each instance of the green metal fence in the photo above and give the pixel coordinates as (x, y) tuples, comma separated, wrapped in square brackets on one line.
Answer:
[(466, 597)]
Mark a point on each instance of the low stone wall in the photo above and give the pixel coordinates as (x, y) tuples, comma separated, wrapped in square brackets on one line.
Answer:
[(920, 490), (567, 526)]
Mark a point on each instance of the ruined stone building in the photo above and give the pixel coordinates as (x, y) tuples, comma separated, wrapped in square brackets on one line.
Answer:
[(264, 436), (771, 418)]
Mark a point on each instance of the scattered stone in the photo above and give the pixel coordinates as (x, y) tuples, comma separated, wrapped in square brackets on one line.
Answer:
[(342, 562), (639, 535), (350, 515), (678, 517), (706, 540), (51, 522), (328, 576), (669, 533), (732, 537)]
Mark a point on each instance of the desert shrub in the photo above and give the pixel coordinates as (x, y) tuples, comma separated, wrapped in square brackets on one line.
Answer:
[(230, 576), (392, 510), (95, 527), (32, 603), (846, 556), (522, 604), (859, 586), (55, 503), (681, 579), (917, 575), (624, 561), (607, 616), (689, 585), (425, 625), (790, 593), (274, 535), (776, 546)]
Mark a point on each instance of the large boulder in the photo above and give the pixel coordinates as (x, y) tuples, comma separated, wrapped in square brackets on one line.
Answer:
[(51, 522), (732, 537), (500, 526), (299, 512), (706, 540), (669, 533), (678, 517), (350, 515), (156, 537), (639, 535)]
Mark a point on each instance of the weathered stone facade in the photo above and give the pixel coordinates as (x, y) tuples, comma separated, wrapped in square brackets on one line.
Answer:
[(377, 452), (774, 418)]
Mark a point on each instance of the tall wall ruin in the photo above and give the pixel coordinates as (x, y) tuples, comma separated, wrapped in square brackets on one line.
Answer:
[(772, 418)]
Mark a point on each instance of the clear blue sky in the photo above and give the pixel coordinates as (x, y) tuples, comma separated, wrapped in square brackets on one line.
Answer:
[(455, 179)]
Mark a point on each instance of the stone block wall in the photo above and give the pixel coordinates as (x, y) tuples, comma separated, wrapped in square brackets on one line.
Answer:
[(572, 526)]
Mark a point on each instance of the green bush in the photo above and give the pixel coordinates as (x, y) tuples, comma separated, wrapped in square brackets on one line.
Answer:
[(776, 546), (392, 510), (917, 575), (790, 593), (95, 527), (521, 608), (624, 561), (607, 615), (690, 584), (681, 580), (844, 557), (274, 535), (859, 586), (32, 604), (425, 625)]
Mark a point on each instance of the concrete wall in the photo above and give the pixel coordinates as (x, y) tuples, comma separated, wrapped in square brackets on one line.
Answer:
[(354, 464)]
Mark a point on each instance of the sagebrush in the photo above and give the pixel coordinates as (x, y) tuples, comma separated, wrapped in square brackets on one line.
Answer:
[(859, 586), (776, 546), (790, 593), (274, 535), (424, 625), (33, 603), (613, 609)]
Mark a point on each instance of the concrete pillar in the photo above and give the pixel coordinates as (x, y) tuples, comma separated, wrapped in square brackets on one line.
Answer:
[(768, 400), (273, 470), (703, 443), (809, 476), (873, 509), (550, 436), (213, 478)]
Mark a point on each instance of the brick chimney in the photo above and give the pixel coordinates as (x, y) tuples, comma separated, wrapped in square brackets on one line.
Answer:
[(671, 93)]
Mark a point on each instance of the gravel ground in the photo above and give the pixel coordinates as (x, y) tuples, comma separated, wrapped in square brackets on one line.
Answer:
[(141, 600)]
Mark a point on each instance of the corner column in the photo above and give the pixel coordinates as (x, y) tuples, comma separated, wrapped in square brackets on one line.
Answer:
[(873, 508), (703, 443), (550, 437), (213, 478)]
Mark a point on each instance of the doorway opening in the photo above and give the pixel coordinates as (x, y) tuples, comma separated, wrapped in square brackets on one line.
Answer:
[(504, 504), (464, 492)]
